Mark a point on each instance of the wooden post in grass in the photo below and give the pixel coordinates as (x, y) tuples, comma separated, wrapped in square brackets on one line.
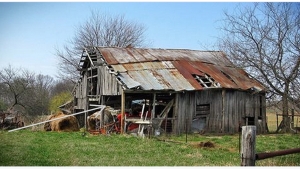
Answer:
[(248, 145)]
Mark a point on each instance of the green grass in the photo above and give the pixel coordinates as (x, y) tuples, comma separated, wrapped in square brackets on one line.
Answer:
[(38, 148)]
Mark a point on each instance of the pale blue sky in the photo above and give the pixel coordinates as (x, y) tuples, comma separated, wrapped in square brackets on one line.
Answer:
[(30, 31)]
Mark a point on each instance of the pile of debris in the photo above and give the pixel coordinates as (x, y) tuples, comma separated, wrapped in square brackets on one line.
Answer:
[(10, 119)]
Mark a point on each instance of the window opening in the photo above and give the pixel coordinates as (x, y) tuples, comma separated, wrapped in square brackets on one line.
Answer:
[(250, 121), (206, 81)]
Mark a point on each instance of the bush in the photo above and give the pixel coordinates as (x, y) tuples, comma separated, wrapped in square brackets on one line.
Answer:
[(58, 100)]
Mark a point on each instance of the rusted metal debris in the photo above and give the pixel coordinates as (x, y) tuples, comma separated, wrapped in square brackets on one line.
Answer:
[(261, 156), (10, 119)]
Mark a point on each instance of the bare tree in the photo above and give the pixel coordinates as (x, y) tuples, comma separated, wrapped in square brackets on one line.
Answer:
[(24, 91), (99, 30), (37, 103), (16, 83), (264, 39), (62, 86)]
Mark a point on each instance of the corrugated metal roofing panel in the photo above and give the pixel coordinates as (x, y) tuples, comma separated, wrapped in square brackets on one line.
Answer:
[(130, 55), (142, 66), (187, 70), (161, 79), (215, 73), (146, 79), (242, 79), (118, 68), (109, 58), (228, 77), (175, 80), (176, 69), (128, 81), (152, 76), (168, 64)]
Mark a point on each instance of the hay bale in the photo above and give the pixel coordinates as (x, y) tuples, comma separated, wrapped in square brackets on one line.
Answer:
[(65, 124)]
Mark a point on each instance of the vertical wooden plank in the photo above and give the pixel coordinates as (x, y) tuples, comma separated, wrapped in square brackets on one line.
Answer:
[(98, 81), (256, 110), (192, 108), (223, 109), (122, 111), (248, 146), (210, 119), (180, 114), (175, 116), (264, 115), (153, 106), (231, 112)]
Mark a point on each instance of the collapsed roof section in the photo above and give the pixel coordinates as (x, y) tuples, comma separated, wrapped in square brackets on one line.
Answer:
[(174, 69)]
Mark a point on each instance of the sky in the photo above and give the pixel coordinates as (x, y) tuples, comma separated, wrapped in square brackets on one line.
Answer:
[(31, 31)]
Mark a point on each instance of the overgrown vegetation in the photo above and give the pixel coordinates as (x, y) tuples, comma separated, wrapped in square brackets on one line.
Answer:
[(58, 100), (28, 148)]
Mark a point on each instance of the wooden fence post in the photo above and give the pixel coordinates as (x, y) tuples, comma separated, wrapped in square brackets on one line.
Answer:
[(248, 145)]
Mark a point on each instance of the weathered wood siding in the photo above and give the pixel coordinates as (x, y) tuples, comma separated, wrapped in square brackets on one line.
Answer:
[(228, 109), (184, 108), (108, 83), (214, 99), (81, 93)]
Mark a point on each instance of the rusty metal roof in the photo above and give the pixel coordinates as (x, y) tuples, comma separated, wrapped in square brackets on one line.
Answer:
[(175, 69)]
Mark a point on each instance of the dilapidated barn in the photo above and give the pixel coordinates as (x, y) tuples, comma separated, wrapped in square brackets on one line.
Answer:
[(185, 90)]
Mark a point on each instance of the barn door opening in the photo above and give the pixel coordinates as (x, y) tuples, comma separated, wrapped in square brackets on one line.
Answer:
[(200, 119)]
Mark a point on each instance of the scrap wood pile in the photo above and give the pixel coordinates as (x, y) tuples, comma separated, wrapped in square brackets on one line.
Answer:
[(10, 119), (64, 124)]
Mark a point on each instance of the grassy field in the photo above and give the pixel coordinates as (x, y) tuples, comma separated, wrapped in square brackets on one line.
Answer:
[(38, 148), (272, 121)]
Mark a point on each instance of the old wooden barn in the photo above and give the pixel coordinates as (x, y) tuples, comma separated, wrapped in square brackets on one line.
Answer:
[(190, 90)]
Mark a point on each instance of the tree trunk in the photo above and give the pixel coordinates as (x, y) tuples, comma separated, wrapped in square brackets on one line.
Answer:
[(285, 113)]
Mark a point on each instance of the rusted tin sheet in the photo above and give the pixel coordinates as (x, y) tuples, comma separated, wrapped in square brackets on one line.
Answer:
[(175, 69), (146, 79), (187, 70), (228, 77), (160, 79), (114, 55), (215, 73)]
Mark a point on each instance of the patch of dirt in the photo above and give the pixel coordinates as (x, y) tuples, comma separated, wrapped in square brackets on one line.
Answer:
[(207, 144)]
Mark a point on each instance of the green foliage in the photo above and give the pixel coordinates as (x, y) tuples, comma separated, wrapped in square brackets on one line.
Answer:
[(3, 106), (58, 100), (27, 148)]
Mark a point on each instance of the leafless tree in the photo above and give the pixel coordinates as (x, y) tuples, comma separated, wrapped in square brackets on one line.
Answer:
[(24, 91), (99, 30), (37, 103), (15, 82), (265, 40)]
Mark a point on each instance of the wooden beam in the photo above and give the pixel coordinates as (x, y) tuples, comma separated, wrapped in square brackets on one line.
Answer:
[(122, 111)]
